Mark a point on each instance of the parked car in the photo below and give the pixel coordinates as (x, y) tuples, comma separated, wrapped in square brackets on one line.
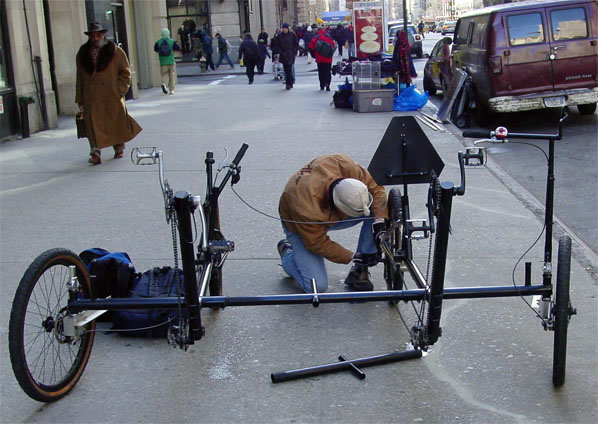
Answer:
[(414, 39), (437, 72), (525, 56), (448, 27)]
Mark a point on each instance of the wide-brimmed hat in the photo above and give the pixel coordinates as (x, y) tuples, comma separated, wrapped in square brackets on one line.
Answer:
[(94, 27)]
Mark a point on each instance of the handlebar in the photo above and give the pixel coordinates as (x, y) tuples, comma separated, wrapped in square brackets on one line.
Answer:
[(501, 133), (240, 154), (478, 133)]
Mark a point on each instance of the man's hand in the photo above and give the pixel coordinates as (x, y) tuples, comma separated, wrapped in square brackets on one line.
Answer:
[(80, 107), (365, 259)]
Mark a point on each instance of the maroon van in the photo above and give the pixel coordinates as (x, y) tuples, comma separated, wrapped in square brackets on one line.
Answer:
[(530, 55)]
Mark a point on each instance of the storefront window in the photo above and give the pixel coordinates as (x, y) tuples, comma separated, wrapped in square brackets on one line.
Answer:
[(185, 19)]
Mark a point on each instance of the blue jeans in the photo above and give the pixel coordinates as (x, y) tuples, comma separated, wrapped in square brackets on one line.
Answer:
[(351, 50), (303, 265), (224, 56)]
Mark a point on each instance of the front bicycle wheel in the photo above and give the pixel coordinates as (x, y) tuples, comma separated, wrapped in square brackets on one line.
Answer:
[(392, 269), (47, 363), (562, 312)]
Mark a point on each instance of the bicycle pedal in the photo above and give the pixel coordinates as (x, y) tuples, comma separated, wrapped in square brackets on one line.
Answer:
[(475, 156), (221, 246)]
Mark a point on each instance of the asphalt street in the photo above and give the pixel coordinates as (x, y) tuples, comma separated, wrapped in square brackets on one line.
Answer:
[(493, 363)]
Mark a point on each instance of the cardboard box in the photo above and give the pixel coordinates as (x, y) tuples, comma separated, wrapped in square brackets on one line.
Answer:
[(373, 100)]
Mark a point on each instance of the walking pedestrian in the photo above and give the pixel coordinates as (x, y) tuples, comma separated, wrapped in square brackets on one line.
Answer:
[(165, 47), (248, 51), (207, 49), (351, 41), (288, 45), (262, 44), (340, 38), (307, 37), (103, 79), (274, 43), (223, 51), (323, 58), (332, 192), (420, 28)]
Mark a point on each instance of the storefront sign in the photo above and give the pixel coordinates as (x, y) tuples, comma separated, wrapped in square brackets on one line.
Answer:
[(1, 106), (368, 21)]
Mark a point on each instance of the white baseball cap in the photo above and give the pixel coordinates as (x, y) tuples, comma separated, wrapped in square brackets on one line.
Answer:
[(352, 197)]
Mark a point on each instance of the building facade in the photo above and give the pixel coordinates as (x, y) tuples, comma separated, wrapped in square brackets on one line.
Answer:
[(40, 38)]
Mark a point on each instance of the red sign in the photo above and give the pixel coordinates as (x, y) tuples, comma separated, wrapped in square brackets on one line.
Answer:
[(368, 22)]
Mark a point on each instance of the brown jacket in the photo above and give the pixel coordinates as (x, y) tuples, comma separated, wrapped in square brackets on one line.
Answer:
[(101, 90), (306, 198)]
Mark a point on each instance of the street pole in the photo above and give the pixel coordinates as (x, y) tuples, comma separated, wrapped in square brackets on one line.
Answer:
[(405, 16)]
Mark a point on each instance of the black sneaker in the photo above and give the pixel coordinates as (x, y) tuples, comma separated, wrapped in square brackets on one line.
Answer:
[(282, 246), (359, 279), (164, 89)]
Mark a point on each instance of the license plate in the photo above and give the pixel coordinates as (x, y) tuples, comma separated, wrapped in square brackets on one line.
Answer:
[(555, 101)]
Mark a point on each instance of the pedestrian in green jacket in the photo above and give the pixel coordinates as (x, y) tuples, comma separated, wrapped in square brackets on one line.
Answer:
[(165, 48)]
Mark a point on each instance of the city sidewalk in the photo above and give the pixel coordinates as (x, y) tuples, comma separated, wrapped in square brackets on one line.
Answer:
[(492, 364)]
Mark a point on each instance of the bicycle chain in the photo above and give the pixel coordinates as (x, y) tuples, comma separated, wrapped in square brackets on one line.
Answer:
[(178, 336)]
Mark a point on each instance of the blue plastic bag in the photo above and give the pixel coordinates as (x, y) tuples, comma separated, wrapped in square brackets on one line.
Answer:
[(410, 99)]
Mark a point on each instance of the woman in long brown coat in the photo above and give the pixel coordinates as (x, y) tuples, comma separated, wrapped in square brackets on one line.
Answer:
[(103, 79)]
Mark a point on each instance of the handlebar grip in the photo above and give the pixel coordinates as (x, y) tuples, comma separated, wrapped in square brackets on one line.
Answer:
[(240, 154), (477, 133)]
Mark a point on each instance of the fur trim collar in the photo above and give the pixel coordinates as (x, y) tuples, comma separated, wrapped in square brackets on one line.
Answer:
[(104, 57)]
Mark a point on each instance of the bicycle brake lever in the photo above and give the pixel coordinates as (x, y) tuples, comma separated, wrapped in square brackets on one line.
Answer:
[(223, 163)]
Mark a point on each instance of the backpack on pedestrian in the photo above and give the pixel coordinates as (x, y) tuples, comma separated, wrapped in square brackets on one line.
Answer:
[(324, 48), (156, 282), (164, 48)]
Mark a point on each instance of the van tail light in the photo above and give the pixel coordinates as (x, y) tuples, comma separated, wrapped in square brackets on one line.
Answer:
[(418, 37), (496, 65)]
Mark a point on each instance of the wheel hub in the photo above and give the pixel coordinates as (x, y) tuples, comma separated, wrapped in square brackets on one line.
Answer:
[(48, 324)]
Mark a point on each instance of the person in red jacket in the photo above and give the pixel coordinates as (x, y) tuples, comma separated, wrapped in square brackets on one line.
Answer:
[(324, 62)]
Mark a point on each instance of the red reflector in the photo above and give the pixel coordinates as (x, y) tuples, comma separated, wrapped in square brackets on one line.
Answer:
[(496, 65)]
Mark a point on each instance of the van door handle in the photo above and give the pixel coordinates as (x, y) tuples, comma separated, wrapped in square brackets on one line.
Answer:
[(563, 46)]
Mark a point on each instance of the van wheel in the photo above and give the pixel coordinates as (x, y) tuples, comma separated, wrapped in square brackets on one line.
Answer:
[(429, 85), (587, 109)]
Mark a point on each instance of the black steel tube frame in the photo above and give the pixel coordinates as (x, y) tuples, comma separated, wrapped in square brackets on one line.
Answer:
[(183, 207), (307, 298)]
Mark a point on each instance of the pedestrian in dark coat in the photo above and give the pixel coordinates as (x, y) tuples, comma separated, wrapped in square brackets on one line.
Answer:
[(262, 45), (288, 45), (249, 52), (324, 63), (351, 39), (340, 38), (309, 35), (206, 46), (274, 43), (103, 79)]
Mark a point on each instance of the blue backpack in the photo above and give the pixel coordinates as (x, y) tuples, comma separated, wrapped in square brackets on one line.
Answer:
[(111, 274), (157, 282), (164, 49)]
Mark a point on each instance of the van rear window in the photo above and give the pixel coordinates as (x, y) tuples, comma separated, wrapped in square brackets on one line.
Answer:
[(525, 29), (568, 24)]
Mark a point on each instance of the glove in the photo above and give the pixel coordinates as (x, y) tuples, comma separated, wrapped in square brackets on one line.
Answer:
[(365, 259), (379, 230)]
